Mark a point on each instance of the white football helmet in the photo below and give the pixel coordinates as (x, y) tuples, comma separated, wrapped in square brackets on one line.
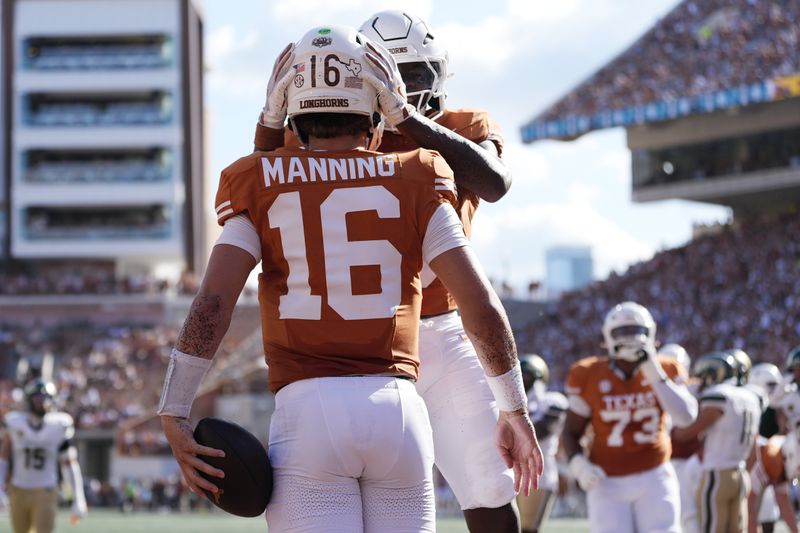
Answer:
[(421, 57), (765, 375), (328, 64), (678, 352), (628, 329)]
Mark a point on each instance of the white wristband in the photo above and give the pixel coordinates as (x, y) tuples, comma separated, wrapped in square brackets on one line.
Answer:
[(184, 375), (508, 389)]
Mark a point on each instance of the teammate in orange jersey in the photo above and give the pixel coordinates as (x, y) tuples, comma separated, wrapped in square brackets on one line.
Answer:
[(342, 233), (451, 382), (776, 464), (624, 399)]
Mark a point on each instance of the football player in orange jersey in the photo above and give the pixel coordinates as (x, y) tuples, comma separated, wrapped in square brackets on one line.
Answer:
[(451, 381), (625, 398), (342, 233), (776, 463)]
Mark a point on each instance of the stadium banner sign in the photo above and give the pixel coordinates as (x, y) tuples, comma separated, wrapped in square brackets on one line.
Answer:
[(743, 95)]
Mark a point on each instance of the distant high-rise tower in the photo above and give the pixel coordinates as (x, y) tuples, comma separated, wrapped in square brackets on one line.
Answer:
[(568, 268), (105, 156)]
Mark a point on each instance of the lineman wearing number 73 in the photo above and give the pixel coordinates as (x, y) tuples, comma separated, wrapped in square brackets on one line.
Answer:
[(625, 397)]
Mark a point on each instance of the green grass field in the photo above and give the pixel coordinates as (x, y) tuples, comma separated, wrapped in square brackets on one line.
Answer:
[(102, 521)]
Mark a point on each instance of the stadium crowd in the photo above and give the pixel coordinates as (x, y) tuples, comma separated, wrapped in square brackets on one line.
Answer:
[(699, 47), (88, 279), (737, 287)]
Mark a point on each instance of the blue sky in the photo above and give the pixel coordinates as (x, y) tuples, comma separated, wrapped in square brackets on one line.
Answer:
[(511, 59)]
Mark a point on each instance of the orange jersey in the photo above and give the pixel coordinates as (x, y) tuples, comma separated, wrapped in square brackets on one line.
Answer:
[(629, 427), (341, 236), (477, 126)]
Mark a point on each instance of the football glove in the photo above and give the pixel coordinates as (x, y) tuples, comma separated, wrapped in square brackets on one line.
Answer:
[(388, 83), (650, 367), (586, 473), (273, 114)]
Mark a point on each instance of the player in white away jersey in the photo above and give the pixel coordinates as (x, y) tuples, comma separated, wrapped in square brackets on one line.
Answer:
[(548, 411), (36, 444), (729, 417)]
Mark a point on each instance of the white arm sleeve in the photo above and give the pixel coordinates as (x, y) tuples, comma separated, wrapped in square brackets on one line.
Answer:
[(677, 401), (239, 231), (444, 233)]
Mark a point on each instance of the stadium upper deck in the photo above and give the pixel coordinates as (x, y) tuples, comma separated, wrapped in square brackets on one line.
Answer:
[(703, 56)]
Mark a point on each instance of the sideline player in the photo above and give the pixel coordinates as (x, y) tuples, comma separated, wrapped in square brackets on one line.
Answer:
[(451, 381), (37, 443), (624, 398), (729, 417), (342, 233), (548, 411)]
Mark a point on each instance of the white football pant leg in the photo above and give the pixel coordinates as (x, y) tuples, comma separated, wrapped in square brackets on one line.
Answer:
[(463, 415)]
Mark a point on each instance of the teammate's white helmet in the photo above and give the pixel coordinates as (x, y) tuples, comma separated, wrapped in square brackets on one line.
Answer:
[(328, 64), (627, 329), (766, 376), (420, 55), (678, 352)]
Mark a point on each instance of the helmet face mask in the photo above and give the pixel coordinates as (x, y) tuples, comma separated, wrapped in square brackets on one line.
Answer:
[(412, 42), (39, 396), (627, 330)]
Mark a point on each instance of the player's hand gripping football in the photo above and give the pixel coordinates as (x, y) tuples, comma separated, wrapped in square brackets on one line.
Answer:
[(516, 440), (273, 114), (186, 449), (388, 84)]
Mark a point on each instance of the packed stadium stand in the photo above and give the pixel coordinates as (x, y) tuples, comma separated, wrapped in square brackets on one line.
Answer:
[(736, 286), (731, 51), (710, 99)]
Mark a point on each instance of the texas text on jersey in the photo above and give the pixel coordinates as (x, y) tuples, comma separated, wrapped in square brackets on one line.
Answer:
[(629, 424)]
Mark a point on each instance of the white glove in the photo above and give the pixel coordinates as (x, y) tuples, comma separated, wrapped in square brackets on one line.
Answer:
[(388, 84), (273, 115), (650, 367), (585, 472)]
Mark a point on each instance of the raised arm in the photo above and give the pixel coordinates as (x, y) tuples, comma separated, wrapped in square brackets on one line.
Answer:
[(477, 167)]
